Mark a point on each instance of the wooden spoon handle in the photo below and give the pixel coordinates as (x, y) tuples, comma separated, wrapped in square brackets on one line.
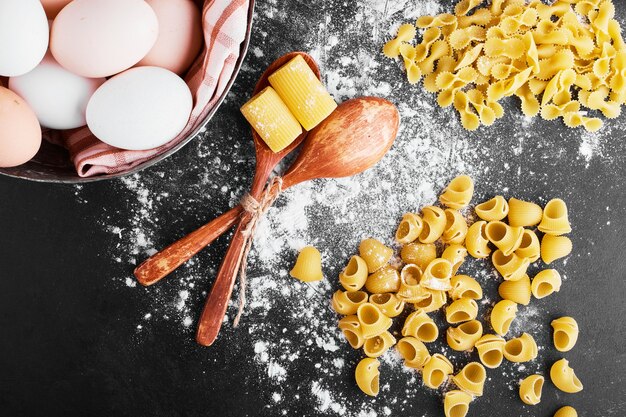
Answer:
[(217, 302), (159, 265)]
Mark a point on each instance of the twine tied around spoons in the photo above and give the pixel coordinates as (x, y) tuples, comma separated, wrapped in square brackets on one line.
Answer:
[(256, 209)]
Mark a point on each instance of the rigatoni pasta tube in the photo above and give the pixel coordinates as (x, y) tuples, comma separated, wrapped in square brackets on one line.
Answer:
[(303, 92), (270, 117)]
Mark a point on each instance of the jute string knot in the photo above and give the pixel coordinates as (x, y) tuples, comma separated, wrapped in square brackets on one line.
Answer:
[(255, 209)]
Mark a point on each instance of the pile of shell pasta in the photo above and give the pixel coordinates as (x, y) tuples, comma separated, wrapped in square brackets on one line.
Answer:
[(555, 58), (377, 291)]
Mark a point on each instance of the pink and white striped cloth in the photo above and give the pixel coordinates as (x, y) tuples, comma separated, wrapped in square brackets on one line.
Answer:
[(225, 25)]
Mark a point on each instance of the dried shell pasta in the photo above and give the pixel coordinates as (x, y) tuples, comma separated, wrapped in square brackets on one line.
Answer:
[(409, 228), (456, 403), (476, 241), (354, 275), (530, 389), (437, 275), (350, 326), (455, 254), (490, 350), (373, 321), (347, 302), (458, 193), (529, 247), (413, 351), (389, 304), (495, 209), (564, 378), (308, 266), (566, 411), (565, 333), (465, 335), (545, 283), (521, 349), (436, 371), (375, 254), (463, 309), (555, 219), (432, 301), (524, 213), (511, 267), (502, 316), (420, 326), (434, 222), (555, 247), (410, 289), (377, 345), (464, 286), (386, 279), (367, 376), (420, 254), (471, 378), (517, 291), (456, 227), (506, 238)]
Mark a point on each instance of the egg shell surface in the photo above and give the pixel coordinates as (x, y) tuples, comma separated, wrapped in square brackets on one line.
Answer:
[(23, 36), (142, 108), (20, 133), (180, 35), (58, 97), (96, 38)]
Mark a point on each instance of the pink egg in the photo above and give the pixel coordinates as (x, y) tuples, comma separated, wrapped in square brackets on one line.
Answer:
[(20, 133), (96, 38), (53, 7), (180, 35)]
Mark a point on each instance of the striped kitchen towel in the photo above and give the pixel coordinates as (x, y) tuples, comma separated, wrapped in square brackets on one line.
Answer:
[(225, 25)]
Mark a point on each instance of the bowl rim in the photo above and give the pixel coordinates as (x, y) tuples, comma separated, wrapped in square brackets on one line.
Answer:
[(194, 134)]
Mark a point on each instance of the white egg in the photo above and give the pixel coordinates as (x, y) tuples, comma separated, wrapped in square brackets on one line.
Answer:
[(58, 97), (23, 36), (141, 108)]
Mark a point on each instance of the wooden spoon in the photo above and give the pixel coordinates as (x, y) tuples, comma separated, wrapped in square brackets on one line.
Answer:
[(353, 138), (162, 263)]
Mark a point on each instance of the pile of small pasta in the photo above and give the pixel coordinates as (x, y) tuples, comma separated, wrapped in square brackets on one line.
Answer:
[(376, 291), (556, 59)]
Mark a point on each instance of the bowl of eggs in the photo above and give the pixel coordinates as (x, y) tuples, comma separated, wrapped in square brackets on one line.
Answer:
[(92, 89)]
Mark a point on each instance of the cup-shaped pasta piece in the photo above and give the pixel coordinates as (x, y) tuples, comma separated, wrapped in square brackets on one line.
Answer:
[(375, 254), (373, 321), (555, 247), (456, 254), (564, 378), (367, 376), (409, 228), (434, 222), (420, 254), (529, 246), (432, 301), (465, 335), (463, 309), (464, 286), (436, 371), (565, 333), (566, 411), (413, 351), (530, 389), (456, 227), (388, 303), (410, 289), (471, 378), (458, 193), (386, 279), (420, 326), (555, 220), (545, 283), (505, 237), (476, 240), (511, 267), (354, 274), (350, 326), (308, 266), (502, 316), (377, 345), (490, 350), (524, 213), (437, 275), (492, 210), (347, 302), (456, 403), (521, 349), (516, 291)]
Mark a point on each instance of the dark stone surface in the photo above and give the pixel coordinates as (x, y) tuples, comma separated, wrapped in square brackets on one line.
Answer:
[(75, 340)]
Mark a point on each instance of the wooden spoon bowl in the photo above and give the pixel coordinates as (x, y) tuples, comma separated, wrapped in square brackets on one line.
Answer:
[(159, 265)]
